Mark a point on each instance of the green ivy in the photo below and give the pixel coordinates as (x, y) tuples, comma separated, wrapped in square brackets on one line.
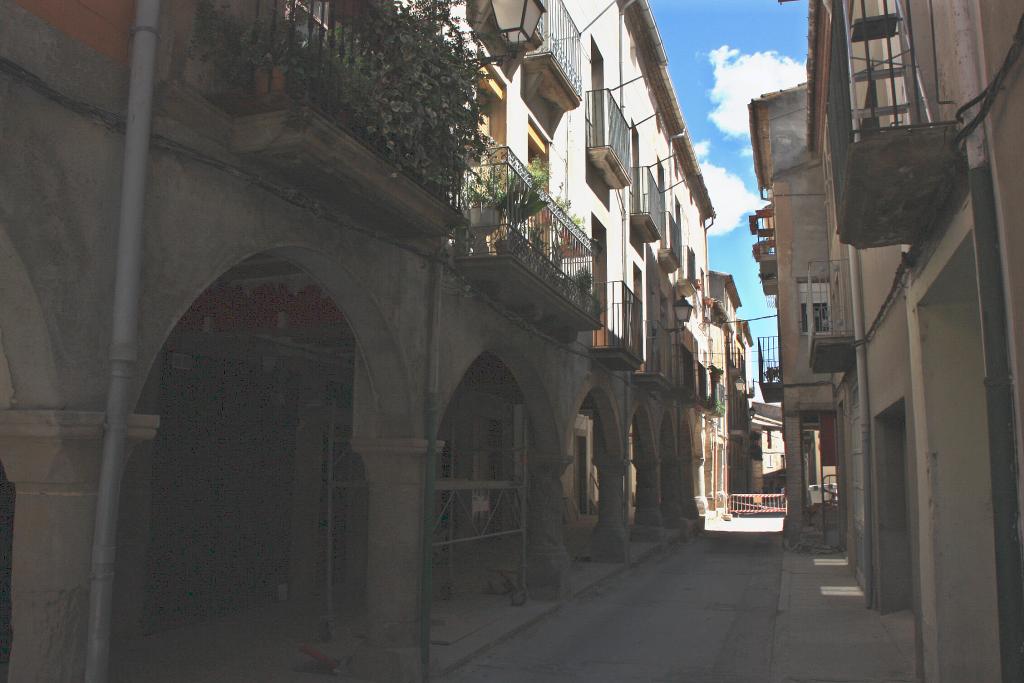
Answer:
[(402, 77)]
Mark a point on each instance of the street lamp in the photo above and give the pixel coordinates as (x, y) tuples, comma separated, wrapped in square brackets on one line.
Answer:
[(517, 19), (740, 384), (683, 309)]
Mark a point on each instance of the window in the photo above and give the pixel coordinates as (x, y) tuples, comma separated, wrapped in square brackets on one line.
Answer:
[(814, 306), (769, 433)]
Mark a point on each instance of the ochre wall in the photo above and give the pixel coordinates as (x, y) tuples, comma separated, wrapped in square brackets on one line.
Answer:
[(103, 25)]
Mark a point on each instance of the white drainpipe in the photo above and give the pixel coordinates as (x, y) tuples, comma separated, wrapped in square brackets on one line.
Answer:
[(124, 335)]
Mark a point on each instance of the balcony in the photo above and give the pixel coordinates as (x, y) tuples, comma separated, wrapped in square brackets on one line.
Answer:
[(618, 344), (762, 226), (891, 163), (554, 71), (658, 370), (310, 126), (686, 375), (524, 251), (826, 314), (646, 207), (735, 362), (705, 402), (769, 369), (607, 139), (671, 258)]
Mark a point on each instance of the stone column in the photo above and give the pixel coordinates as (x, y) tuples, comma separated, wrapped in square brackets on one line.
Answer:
[(648, 523), (609, 542), (394, 473), (671, 493), (548, 567), (53, 459)]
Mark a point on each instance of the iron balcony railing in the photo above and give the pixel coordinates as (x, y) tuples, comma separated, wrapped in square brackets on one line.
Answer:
[(875, 82), (606, 126), (675, 237), (686, 371), (648, 198), (622, 316), (329, 40), (511, 216), (762, 226), (769, 360), (703, 385), (562, 41), (658, 359), (825, 307)]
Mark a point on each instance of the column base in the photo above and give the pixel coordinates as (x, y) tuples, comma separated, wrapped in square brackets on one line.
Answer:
[(702, 505), (387, 664), (549, 574), (609, 544), (672, 516)]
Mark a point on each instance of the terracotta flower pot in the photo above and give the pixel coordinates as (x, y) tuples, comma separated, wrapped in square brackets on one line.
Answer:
[(269, 80)]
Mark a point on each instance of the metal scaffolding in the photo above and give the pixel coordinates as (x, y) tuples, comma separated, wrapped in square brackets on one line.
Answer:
[(474, 510)]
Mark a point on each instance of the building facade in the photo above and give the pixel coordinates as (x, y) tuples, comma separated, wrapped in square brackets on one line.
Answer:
[(353, 360), (911, 111)]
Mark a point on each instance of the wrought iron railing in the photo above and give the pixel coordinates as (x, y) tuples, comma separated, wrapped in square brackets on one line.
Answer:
[(562, 41), (622, 316), (675, 237), (703, 385), (659, 359), (874, 81), (762, 226), (825, 308), (510, 215), (326, 54), (769, 360), (648, 198), (606, 126), (686, 371)]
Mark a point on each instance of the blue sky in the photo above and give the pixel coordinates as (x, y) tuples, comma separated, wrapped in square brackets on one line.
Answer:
[(722, 54)]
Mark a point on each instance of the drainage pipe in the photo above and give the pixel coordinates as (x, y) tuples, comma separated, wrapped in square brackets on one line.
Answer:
[(124, 335), (999, 402), (430, 418), (864, 409)]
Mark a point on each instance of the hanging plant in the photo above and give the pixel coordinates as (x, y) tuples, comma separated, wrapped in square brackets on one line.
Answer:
[(401, 77)]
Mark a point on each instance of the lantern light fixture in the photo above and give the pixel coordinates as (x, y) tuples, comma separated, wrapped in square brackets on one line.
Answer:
[(517, 20), (683, 309)]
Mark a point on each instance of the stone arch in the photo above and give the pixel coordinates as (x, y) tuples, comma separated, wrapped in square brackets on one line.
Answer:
[(536, 397), (689, 455), (648, 519), (28, 372), (482, 420), (671, 472), (597, 390), (388, 403)]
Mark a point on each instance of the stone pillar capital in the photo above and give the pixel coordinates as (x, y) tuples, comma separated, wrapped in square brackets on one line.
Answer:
[(392, 461), (60, 446), (545, 465)]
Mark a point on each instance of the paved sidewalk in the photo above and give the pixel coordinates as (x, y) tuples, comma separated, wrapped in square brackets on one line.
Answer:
[(823, 632)]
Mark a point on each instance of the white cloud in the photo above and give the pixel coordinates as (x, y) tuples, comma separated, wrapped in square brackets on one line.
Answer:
[(740, 78), (732, 200), (731, 197)]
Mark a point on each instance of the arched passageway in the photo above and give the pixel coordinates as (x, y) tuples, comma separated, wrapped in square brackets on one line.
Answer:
[(671, 475), (244, 523), (480, 505), (646, 499)]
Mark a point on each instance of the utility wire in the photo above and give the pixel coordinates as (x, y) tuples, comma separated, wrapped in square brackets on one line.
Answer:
[(987, 97)]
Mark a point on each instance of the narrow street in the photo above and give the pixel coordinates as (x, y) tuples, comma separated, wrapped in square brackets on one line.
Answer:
[(731, 607), (702, 611)]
